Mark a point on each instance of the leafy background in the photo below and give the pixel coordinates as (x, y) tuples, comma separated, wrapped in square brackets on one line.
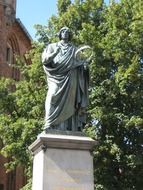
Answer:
[(115, 32)]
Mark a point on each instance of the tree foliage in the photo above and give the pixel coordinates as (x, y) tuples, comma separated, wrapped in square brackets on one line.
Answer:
[(63, 6), (115, 33), (22, 110)]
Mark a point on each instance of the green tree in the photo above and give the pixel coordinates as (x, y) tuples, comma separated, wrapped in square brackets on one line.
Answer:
[(116, 97), (22, 110), (63, 6), (115, 33)]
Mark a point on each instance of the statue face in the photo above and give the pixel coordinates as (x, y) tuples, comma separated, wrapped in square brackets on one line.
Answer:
[(65, 34)]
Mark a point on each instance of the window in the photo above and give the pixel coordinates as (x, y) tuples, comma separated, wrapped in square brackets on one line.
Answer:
[(9, 55), (15, 73)]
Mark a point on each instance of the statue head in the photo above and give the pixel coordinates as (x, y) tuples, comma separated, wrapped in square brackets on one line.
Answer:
[(65, 33)]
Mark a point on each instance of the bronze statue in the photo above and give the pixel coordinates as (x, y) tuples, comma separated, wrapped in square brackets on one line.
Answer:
[(68, 82)]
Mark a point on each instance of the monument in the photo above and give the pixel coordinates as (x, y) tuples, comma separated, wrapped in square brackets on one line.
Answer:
[(62, 153)]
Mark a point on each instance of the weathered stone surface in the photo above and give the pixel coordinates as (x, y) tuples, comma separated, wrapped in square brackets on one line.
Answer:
[(62, 162)]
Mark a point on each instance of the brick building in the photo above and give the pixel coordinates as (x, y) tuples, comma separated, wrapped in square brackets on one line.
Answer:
[(14, 40)]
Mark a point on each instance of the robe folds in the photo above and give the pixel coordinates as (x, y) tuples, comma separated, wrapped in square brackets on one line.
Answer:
[(67, 94)]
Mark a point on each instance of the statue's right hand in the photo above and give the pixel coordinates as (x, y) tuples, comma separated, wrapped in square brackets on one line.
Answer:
[(49, 56), (56, 50)]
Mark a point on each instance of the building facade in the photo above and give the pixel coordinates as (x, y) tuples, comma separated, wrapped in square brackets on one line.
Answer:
[(14, 40)]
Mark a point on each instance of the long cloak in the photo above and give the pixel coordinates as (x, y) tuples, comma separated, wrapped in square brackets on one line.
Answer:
[(67, 88)]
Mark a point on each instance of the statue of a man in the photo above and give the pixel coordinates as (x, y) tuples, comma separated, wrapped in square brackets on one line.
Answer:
[(67, 79)]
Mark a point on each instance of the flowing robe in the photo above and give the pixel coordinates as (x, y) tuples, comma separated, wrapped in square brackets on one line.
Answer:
[(67, 89)]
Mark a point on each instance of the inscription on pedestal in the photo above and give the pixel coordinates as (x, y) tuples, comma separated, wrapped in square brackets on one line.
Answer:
[(77, 177), (61, 175)]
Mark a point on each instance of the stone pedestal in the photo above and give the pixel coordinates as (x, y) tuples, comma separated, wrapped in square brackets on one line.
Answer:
[(62, 162)]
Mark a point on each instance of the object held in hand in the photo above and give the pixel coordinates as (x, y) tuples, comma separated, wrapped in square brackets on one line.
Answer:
[(84, 53)]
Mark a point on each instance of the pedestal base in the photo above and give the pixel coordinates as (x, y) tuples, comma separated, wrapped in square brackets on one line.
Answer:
[(62, 162)]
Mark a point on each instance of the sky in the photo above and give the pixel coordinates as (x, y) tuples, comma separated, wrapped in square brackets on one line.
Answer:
[(32, 12)]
